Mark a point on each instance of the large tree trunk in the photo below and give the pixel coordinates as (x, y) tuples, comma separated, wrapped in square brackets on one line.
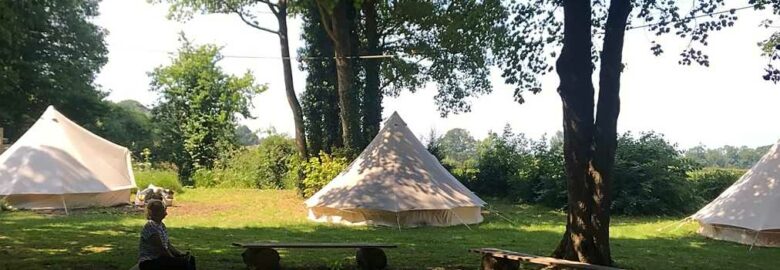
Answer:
[(605, 140), (372, 98), (320, 101), (589, 147), (292, 99), (340, 24), (574, 69)]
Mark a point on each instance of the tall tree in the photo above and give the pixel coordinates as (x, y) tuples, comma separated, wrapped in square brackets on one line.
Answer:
[(458, 146), (128, 123), (245, 136), (338, 19), (198, 107), (537, 30), (320, 98), (50, 53), (445, 42), (247, 11), (371, 102), (590, 136)]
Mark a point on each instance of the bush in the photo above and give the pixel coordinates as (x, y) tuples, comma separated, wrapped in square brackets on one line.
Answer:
[(504, 166), (548, 179), (650, 177), (158, 177), (318, 172), (204, 178), (466, 175), (264, 166), (709, 182)]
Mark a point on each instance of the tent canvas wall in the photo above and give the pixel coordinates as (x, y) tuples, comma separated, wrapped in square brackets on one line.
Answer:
[(58, 164), (748, 211), (395, 182)]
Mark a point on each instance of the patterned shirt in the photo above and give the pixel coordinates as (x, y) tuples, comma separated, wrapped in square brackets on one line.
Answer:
[(147, 250)]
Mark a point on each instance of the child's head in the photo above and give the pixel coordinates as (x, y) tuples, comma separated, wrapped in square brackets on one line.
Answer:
[(155, 210)]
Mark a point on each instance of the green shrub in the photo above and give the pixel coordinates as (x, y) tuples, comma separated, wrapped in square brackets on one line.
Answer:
[(319, 172), (650, 177), (547, 178), (466, 175), (158, 177), (264, 166), (204, 178), (503, 167), (709, 182)]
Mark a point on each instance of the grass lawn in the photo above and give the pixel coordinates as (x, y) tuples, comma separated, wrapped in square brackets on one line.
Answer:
[(207, 221)]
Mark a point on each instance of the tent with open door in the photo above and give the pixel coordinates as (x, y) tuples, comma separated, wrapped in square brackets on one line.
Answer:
[(58, 164), (395, 182), (748, 212)]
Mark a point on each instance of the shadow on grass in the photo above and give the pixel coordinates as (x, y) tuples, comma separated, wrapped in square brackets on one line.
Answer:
[(110, 241)]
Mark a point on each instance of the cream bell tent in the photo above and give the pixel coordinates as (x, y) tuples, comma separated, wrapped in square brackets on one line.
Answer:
[(395, 182), (748, 211), (58, 164)]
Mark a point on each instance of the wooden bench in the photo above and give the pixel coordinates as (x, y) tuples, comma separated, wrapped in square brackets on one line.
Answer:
[(263, 256), (499, 259)]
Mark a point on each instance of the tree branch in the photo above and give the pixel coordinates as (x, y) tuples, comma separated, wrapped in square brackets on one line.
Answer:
[(274, 9), (268, 3), (326, 24), (252, 24), (387, 83)]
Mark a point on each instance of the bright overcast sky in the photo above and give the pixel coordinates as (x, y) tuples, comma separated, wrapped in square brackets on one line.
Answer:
[(727, 103)]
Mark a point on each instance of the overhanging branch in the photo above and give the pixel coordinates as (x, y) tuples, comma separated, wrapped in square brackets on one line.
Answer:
[(246, 21), (397, 76)]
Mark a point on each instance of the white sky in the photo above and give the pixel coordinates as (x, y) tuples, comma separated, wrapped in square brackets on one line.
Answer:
[(727, 103)]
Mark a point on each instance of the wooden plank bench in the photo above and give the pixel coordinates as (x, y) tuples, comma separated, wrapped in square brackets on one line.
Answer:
[(499, 259), (263, 256)]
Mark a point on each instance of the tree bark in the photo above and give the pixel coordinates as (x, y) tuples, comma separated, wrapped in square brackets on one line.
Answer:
[(589, 147), (608, 110), (340, 25), (574, 69), (292, 99), (372, 97)]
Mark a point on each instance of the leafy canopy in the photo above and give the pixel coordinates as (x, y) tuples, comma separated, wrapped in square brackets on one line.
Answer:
[(199, 107)]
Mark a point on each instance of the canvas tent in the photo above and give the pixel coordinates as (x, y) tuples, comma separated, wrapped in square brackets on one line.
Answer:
[(395, 182), (748, 211), (58, 164)]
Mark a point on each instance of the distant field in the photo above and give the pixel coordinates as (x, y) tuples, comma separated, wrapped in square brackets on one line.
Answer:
[(206, 221)]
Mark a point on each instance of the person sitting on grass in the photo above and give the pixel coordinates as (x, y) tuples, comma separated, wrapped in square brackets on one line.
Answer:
[(155, 250)]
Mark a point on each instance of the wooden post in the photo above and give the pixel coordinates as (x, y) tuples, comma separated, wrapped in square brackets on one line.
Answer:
[(2, 140), (261, 259), (371, 259), (493, 263)]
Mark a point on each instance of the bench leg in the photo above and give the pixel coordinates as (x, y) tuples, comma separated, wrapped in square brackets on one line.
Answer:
[(261, 259), (371, 259), (492, 263)]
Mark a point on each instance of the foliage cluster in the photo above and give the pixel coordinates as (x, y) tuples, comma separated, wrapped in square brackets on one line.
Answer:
[(651, 176), (264, 166), (158, 177), (727, 156), (199, 107), (709, 182), (316, 172)]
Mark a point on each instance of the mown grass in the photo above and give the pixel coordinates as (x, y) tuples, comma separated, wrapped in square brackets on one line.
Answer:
[(206, 221)]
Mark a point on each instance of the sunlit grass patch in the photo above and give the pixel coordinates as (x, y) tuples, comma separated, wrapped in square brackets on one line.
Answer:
[(207, 221)]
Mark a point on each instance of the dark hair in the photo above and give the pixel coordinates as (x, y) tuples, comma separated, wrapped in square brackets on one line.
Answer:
[(154, 205)]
